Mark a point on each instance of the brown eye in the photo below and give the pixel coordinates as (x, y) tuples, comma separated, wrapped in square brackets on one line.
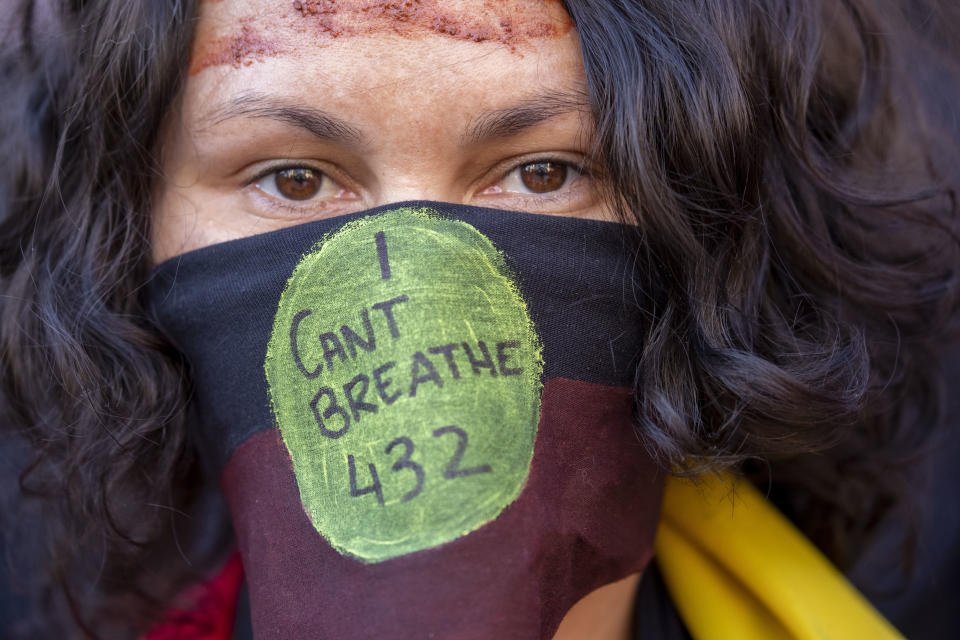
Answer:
[(543, 177), (299, 183)]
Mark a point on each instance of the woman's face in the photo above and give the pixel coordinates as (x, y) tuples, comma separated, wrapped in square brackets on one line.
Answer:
[(306, 109)]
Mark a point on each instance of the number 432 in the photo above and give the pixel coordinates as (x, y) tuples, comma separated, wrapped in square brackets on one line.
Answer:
[(452, 471)]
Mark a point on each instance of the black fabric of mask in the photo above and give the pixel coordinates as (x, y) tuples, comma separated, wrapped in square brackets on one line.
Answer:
[(422, 417)]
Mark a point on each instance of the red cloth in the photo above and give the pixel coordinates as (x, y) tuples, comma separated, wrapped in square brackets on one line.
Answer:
[(212, 609), (586, 517)]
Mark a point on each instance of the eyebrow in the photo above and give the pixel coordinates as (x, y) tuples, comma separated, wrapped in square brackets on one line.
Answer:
[(504, 123), (321, 124), (500, 123)]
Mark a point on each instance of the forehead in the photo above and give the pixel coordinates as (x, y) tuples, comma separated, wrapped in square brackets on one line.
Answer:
[(243, 32), (400, 66)]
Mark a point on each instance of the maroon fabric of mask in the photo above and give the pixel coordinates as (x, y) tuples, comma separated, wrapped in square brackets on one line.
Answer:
[(585, 519), (585, 516)]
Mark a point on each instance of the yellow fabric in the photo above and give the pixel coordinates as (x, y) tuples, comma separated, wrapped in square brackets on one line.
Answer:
[(736, 568)]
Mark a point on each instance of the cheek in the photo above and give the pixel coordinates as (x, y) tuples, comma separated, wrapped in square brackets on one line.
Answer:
[(188, 218), (175, 224), (175, 207)]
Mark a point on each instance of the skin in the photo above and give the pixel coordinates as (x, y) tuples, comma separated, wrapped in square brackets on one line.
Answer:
[(420, 108), (383, 108), (605, 614)]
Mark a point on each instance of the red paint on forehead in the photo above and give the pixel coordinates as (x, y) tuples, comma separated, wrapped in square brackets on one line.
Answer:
[(505, 23), (509, 23), (243, 49)]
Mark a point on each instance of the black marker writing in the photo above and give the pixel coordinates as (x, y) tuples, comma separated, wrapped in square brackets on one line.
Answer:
[(295, 349), (452, 471), (381, 241), (387, 308)]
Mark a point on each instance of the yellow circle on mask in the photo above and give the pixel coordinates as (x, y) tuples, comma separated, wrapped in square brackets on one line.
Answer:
[(405, 377)]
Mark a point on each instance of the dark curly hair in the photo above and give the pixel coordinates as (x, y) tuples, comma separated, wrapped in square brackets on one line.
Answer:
[(786, 165)]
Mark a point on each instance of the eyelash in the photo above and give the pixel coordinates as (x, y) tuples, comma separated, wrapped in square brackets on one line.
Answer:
[(575, 172), (277, 169), (579, 170)]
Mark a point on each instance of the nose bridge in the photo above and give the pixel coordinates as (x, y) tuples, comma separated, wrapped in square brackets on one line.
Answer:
[(417, 152), (422, 163), (428, 186)]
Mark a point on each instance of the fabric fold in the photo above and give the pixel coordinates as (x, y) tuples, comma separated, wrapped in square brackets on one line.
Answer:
[(737, 568)]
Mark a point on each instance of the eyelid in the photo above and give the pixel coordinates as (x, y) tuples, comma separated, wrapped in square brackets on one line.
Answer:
[(505, 169), (536, 158), (578, 162), (331, 196), (285, 166)]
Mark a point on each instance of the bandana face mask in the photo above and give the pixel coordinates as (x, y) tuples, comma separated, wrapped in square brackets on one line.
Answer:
[(422, 417)]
